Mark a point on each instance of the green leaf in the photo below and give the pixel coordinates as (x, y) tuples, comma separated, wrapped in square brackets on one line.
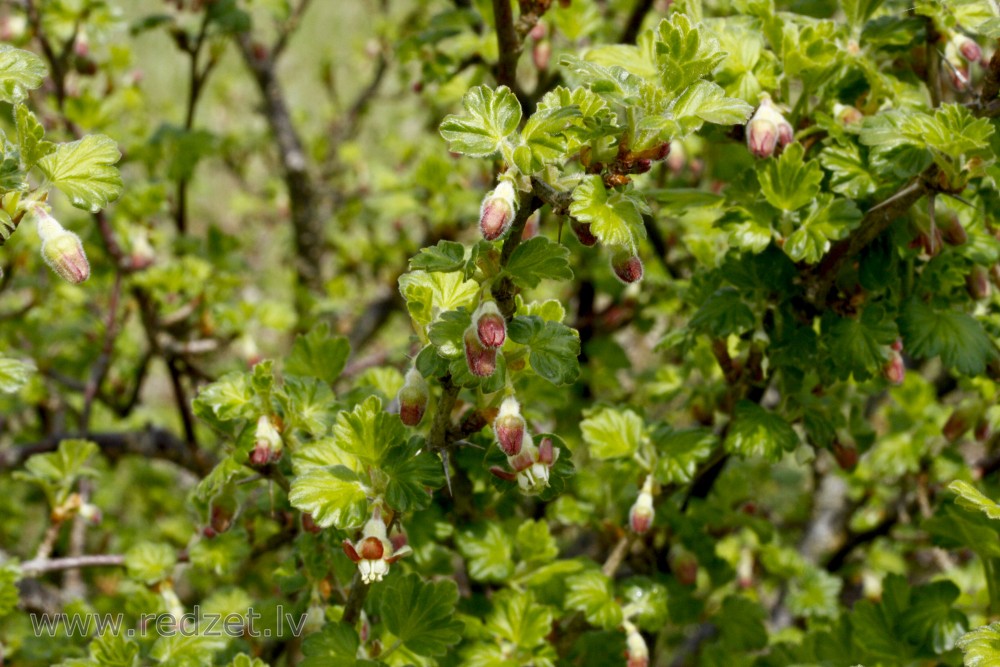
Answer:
[(518, 618), (959, 339), (445, 256), (545, 134), (536, 259), (724, 313), (368, 432), (20, 71), (612, 433), (859, 11), (815, 595), (112, 650), (707, 101), (334, 496), (756, 432), (150, 562), (429, 294), (974, 500), (308, 404), (187, 650), (615, 218), (30, 134), (14, 374), (535, 543), (11, 175), (849, 174), (421, 614), (955, 528), (228, 398), (684, 53), (412, 470), (828, 220), (859, 346), (591, 592), (56, 472), (789, 183), (680, 452), (981, 646), (447, 332), (491, 116), (84, 170), (931, 619), (9, 595), (487, 552), (554, 347), (318, 354), (741, 625), (336, 645)]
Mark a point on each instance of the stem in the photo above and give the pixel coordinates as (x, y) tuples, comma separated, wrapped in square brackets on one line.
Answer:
[(617, 555), (355, 601), (991, 568), (503, 291), (41, 565)]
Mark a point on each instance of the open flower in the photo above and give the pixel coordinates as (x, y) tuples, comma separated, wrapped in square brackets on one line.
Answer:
[(531, 466), (374, 552)]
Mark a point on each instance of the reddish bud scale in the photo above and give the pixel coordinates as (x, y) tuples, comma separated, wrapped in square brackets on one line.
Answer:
[(482, 361), (492, 330), (260, 456), (583, 233), (627, 266), (982, 431)]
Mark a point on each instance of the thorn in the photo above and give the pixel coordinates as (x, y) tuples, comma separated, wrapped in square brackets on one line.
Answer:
[(447, 473)]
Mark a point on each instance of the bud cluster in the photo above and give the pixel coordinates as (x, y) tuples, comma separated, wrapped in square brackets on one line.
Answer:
[(61, 248), (768, 129), (483, 338), (530, 464), (374, 552)]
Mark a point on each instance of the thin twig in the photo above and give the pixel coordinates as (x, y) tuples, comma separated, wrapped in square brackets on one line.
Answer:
[(38, 566)]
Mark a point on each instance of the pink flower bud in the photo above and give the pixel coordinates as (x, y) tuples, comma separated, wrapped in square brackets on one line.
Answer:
[(626, 265), (958, 423), (541, 54), (969, 49), (952, 231), (583, 233), (978, 283), (267, 443), (846, 455), (636, 651), (509, 427), (413, 397), (490, 325), (497, 212), (309, 524), (894, 369), (482, 360), (640, 516), (61, 249), (762, 137), (846, 114)]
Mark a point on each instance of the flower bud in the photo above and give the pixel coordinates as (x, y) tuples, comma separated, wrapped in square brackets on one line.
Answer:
[(413, 397), (640, 516), (636, 651), (61, 249), (267, 443), (91, 513), (846, 114), (684, 565), (583, 233), (309, 524), (969, 49), (846, 455), (541, 54), (626, 265), (482, 360), (894, 370), (490, 325), (768, 129), (978, 283), (952, 231), (497, 212), (959, 422), (509, 427)]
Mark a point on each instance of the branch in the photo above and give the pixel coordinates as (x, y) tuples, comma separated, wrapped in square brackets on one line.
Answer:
[(100, 369), (509, 45), (635, 20), (289, 28), (41, 565), (356, 600), (152, 443)]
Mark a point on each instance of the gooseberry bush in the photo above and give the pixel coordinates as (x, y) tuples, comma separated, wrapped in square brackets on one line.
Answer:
[(480, 332)]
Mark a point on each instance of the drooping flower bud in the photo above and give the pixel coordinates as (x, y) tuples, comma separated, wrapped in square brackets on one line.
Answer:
[(846, 114), (267, 443), (509, 427), (490, 325), (952, 231), (846, 455), (541, 54), (91, 513), (413, 397), (969, 49), (482, 360), (626, 265), (768, 129), (636, 651), (497, 212), (640, 516), (960, 421), (978, 283), (684, 565), (61, 249), (309, 524), (374, 552), (583, 233), (894, 370)]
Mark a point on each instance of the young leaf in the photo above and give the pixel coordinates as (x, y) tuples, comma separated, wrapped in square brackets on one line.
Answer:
[(612, 433), (828, 220), (368, 432), (228, 398), (20, 71), (411, 470), (518, 618), (615, 218), (974, 500), (724, 313), (680, 452), (150, 562), (859, 346), (536, 259), (789, 183), (554, 347), (591, 592), (487, 552), (30, 134), (445, 256), (491, 116), (84, 170), (334, 496), (684, 53), (336, 645), (756, 432), (421, 614), (707, 101), (318, 354), (981, 646), (428, 294), (14, 374)]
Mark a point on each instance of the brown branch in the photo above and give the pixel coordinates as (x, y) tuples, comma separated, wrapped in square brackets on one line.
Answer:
[(355, 601), (41, 565), (991, 82), (103, 362), (509, 45), (289, 28), (152, 443), (634, 23), (932, 62), (306, 223)]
